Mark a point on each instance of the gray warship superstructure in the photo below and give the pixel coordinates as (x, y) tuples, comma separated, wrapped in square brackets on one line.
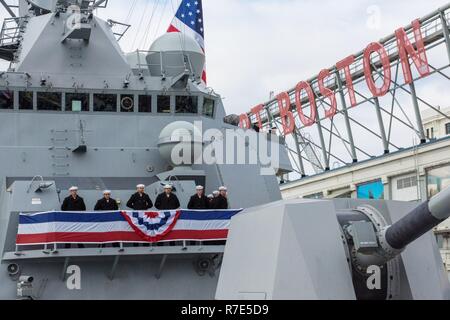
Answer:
[(76, 110)]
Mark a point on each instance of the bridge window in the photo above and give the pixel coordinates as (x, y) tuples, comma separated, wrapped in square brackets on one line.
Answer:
[(26, 100), (145, 104), (163, 104), (6, 99), (186, 104), (49, 101), (105, 102), (208, 107), (77, 102), (447, 128), (127, 103)]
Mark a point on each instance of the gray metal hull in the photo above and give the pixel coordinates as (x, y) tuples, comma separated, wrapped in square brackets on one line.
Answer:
[(134, 279)]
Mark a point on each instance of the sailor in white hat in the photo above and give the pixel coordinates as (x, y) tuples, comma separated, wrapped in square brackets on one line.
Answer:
[(140, 200), (167, 200), (221, 201), (73, 202), (199, 201), (106, 203)]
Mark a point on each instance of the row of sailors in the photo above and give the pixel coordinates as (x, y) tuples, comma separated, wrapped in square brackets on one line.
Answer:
[(141, 201)]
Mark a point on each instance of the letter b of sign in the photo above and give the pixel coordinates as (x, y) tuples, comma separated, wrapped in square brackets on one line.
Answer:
[(74, 279), (374, 280)]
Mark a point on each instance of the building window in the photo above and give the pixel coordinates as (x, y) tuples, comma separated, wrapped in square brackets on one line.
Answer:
[(208, 107), (405, 183), (77, 102), (105, 102), (145, 104), (127, 103), (163, 104), (447, 128), (49, 101), (186, 104), (6, 99), (26, 100), (430, 133), (371, 190), (440, 241), (318, 195), (437, 180)]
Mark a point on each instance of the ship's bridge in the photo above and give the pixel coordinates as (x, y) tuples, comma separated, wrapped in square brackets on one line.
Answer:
[(63, 58)]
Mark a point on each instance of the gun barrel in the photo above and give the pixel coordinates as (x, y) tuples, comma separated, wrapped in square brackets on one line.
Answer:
[(418, 222)]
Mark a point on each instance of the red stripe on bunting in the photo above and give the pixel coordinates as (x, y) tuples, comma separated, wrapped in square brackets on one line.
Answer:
[(107, 237)]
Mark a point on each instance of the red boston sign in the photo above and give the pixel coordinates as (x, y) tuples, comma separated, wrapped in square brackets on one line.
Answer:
[(406, 51)]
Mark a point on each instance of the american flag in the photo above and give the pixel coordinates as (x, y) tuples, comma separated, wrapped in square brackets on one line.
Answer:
[(189, 20)]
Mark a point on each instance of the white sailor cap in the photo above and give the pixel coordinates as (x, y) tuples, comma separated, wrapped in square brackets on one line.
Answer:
[(107, 192), (74, 188), (215, 192), (223, 188), (140, 186), (198, 188), (167, 186), (210, 196)]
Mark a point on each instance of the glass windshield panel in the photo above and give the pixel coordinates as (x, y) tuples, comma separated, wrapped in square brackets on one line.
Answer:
[(127, 103), (49, 101), (209, 106), (145, 104), (6, 99), (105, 102), (26, 100), (163, 104), (186, 104), (77, 102)]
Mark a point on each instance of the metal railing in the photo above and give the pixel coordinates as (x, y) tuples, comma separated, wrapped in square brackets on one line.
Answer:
[(11, 31)]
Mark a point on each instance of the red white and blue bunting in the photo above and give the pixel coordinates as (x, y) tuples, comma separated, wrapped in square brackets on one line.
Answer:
[(123, 226)]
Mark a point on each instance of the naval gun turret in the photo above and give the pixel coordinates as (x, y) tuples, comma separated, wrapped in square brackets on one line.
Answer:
[(336, 249)]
